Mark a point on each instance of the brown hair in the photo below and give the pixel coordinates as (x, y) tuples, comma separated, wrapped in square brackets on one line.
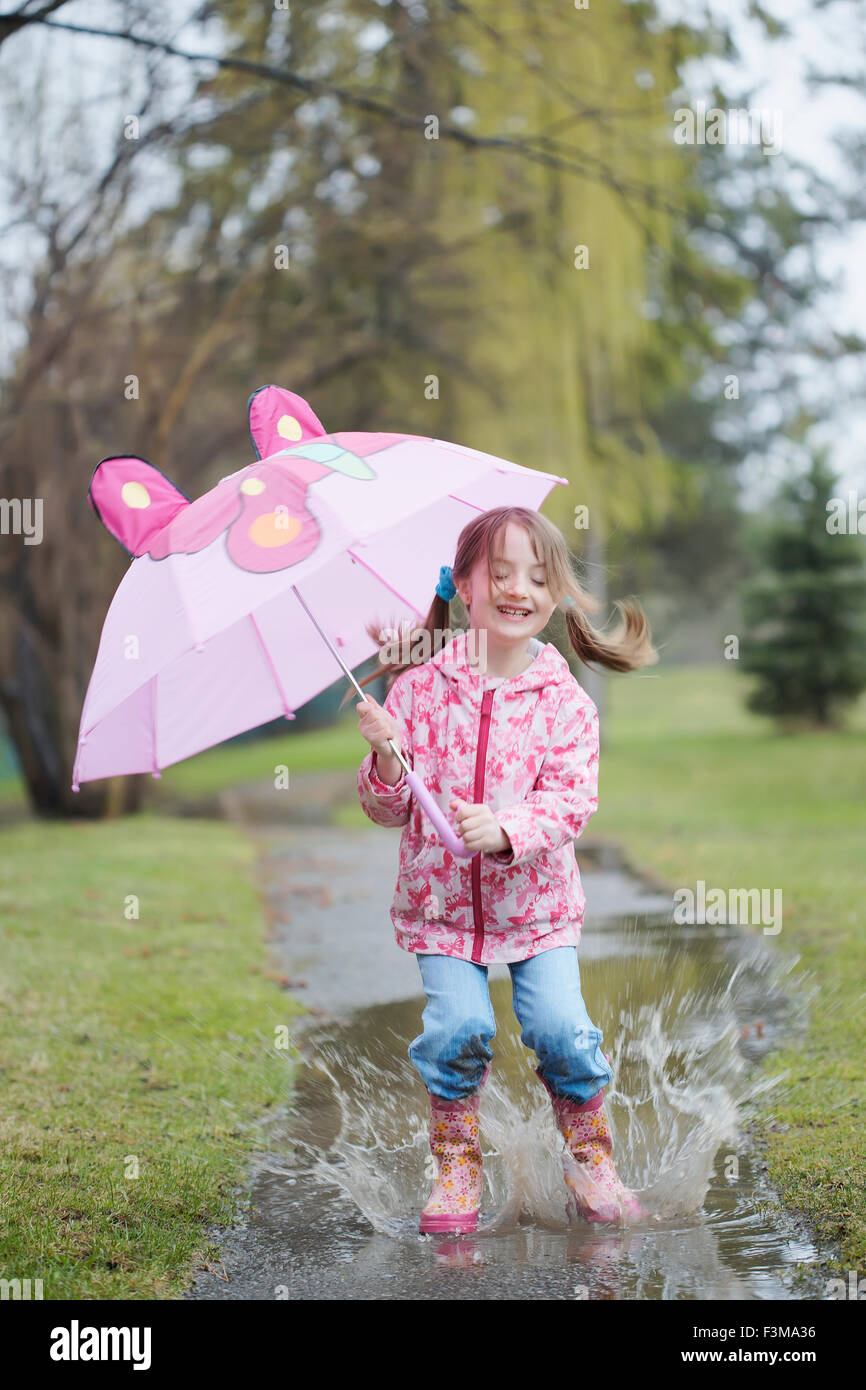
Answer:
[(626, 649)]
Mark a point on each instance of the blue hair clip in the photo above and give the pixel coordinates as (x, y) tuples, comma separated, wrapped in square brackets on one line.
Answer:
[(446, 588)]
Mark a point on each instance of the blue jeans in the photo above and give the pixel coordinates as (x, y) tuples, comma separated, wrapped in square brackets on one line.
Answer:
[(453, 1051)]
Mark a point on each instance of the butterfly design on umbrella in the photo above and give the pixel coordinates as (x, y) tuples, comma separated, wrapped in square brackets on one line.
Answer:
[(261, 510)]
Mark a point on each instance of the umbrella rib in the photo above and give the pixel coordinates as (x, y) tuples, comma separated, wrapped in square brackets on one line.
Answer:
[(473, 505), (287, 709), (395, 592), (155, 767)]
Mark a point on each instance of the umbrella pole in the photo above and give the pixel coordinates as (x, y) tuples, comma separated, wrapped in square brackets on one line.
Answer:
[(326, 639)]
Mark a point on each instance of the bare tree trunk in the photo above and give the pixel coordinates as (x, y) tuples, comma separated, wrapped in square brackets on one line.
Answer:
[(32, 718), (53, 595)]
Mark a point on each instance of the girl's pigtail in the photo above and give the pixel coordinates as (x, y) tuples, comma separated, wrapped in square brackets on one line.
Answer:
[(415, 644), (627, 649)]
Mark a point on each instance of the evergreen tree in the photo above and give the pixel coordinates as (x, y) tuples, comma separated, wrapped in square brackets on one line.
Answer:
[(805, 611)]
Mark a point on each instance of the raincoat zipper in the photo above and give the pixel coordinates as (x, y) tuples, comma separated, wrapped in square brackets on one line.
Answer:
[(478, 797)]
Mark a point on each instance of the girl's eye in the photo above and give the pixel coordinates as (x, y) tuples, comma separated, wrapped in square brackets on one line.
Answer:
[(540, 582)]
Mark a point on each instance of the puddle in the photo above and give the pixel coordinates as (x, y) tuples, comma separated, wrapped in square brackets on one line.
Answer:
[(687, 1014)]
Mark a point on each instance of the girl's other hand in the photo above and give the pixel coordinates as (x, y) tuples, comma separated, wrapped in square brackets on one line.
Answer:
[(377, 726), (478, 827)]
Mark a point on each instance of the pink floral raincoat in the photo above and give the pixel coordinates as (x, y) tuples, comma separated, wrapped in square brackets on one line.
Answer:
[(527, 747)]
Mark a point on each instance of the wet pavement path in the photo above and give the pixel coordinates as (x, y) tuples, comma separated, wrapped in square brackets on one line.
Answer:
[(687, 1014)]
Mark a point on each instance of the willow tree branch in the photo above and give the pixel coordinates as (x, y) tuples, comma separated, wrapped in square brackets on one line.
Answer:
[(11, 23), (538, 150)]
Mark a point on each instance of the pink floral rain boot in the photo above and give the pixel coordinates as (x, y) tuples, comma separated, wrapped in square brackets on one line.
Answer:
[(456, 1197), (595, 1191)]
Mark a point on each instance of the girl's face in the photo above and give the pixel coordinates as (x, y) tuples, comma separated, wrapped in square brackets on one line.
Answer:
[(522, 581)]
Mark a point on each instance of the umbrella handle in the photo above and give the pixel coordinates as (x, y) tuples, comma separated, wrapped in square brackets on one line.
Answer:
[(449, 837)]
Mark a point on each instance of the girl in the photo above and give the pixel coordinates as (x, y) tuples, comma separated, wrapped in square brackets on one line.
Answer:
[(507, 741)]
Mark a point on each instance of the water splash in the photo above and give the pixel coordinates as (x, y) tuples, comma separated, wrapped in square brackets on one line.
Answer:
[(683, 1070)]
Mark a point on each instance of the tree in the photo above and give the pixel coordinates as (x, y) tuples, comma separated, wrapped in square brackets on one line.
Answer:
[(805, 611), (432, 284), (412, 260)]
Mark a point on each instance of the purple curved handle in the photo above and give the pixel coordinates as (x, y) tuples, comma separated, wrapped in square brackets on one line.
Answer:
[(450, 838)]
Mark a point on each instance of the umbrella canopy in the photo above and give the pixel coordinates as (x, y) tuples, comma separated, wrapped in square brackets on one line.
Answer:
[(211, 632)]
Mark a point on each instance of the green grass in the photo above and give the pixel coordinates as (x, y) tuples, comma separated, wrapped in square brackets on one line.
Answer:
[(12, 791), (693, 788), (137, 1056)]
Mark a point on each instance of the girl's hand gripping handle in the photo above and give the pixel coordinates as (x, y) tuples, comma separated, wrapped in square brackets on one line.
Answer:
[(450, 839), (383, 736)]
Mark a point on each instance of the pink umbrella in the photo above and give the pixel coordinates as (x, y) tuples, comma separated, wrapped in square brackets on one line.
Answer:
[(209, 632)]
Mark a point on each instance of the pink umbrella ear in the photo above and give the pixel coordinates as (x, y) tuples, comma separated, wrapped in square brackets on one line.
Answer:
[(279, 419), (133, 500)]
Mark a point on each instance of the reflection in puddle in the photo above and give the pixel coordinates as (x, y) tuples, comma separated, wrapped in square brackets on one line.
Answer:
[(687, 1013)]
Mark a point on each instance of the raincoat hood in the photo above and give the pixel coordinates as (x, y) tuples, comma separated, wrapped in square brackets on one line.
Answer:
[(457, 661)]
